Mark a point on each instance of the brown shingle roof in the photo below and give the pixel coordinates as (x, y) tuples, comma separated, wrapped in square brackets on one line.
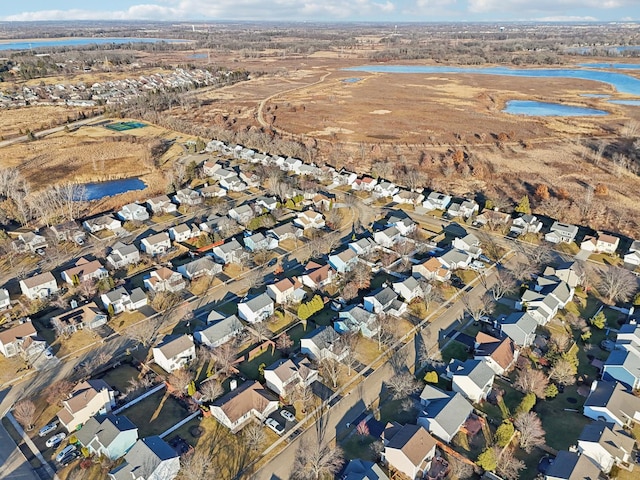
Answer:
[(22, 330), (83, 393), (242, 400), (501, 351), (414, 441), (37, 280)]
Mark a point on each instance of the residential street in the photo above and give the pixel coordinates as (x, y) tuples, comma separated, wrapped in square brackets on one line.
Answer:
[(14, 465)]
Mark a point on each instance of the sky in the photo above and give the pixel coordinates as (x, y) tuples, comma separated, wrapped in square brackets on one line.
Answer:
[(324, 10)]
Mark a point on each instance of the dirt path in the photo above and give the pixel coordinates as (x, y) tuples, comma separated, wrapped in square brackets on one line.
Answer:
[(261, 119)]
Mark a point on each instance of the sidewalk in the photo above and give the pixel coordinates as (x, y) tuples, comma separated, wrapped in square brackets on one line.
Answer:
[(14, 464), (31, 446)]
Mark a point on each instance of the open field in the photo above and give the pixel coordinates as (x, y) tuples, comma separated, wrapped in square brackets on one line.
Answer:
[(34, 118)]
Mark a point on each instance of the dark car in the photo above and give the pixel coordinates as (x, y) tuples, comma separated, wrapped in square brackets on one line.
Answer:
[(69, 457), (272, 262)]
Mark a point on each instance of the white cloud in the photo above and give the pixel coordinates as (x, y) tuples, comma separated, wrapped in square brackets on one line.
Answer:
[(484, 6), (566, 18)]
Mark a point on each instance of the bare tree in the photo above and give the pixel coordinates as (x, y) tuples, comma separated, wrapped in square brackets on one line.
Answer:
[(617, 284), (529, 380), (385, 333), (253, 436), (402, 385), (196, 466), (563, 372), (475, 307), (303, 394), (330, 369), (87, 288), (24, 410), (260, 331), (180, 380), (531, 431), (210, 390), (58, 391), (560, 341), (349, 341), (225, 356), (142, 332), (505, 283), (458, 469), (284, 343), (508, 465), (315, 460)]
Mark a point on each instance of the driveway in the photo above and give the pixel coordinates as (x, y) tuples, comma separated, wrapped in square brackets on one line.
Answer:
[(14, 465)]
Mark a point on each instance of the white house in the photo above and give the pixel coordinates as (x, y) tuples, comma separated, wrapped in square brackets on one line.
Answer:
[(250, 400), (242, 214), (285, 374), (84, 271), (156, 244), (363, 246), (464, 209), (309, 219), (29, 242), (437, 201), (133, 212), (187, 196), (408, 198), (164, 279), (443, 413), (321, 343), (228, 252), (387, 237), (432, 269), (520, 327), (499, 355), (103, 222), (123, 301), (408, 289), (344, 261), (174, 353), (108, 435), (317, 276), (184, 232), (468, 243), (408, 449), (87, 316), (161, 204), (380, 300), (257, 309), (612, 402), (454, 259), (607, 445), (600, 243), (88, 398), (385, 189), (472, 378), (39, 286), (281, 291), (561, 233), (526, 224), (5, 300), (211, 191), (219, 332), (200, 267), (12, 340), (122, 255), (366, 184)]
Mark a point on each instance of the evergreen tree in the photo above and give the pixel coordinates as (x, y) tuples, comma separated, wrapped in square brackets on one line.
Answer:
[(524, 206)]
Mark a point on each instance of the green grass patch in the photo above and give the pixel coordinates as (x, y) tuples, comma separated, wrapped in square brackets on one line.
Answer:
[(118, 378), (150, 422), (562, 418), (358, 446), (391, 411), (251, 369), (454, 350)]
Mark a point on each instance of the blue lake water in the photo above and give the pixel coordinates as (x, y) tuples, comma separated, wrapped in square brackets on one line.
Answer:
[(98, 190), (619, 66), (620, 81), (626, 102), (543, 109), (72, 42)]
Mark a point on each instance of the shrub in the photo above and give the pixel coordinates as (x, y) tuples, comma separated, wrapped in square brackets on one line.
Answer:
[(551, 391), (527, 403), (504, 433), (487, 460), (599, 320), (431, 377)]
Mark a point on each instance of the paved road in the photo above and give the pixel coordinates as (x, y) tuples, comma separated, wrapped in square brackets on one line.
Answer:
[(14, 465)]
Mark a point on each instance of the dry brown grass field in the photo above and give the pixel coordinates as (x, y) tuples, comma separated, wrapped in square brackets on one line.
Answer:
[(34, 118)]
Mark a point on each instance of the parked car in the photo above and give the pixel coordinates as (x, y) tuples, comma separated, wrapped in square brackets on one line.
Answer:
[(48, 353), (56, 439), (65, 451), (69, 457), (273, 424), (287, 415), (47, 429)]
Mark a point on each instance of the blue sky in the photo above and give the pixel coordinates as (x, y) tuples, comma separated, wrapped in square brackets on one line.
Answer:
[(323, 10)]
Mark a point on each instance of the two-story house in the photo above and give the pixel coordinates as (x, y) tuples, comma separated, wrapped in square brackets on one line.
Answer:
[(122, 255), (88, 398), (219, 332), (133, 212), (408, 449), (607, 445), (285, 374), (164, 279), (108, 435), (161, 205), (256, 309), (150, 458), (84, 271), (156, 244), (174, 352), (121, 300), (472, 378), (42, 285)]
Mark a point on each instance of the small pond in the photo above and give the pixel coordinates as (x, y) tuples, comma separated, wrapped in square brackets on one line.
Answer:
[(543, 109), (99, 190), (626, 102)]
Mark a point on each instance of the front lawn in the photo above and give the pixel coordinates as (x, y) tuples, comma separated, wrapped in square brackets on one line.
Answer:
[(359, 446)]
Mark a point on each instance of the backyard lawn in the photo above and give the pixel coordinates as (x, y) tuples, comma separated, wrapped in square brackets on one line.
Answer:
[(251, 369), (562, 418), (118, 378), (454, 350), (156, 413), (359, 446)]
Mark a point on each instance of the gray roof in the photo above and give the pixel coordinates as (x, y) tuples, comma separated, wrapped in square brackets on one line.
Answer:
[(612, 438), (143, 458), (477, 371), (137, 294), (157, 238), (564, 228), (117, 294), (172, 345), (230, 246), (202, 264), (571, 466), (519, 324), (4, 294), (363, 470), (410, 282), (614, 397), (384, 296), (105, 427), (323, 337), (222, 328), (449, 412), (123, 249), (454, 256), (259, 302)]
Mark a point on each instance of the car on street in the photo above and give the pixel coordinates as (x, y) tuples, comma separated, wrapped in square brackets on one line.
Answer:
[(274, 425), (47, 429), (65, 451), (56, 439), (287, 415), (272, 262)]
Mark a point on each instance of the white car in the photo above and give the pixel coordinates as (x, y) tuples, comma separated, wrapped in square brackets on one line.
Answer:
[(56, 439), (287, 415), (274, 425), (47, 429), (64, 452)]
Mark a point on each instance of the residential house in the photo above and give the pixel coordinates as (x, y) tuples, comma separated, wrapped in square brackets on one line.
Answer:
[(291, 164), (108, 435), (385, 189), (286, 374), (437, 201), (387, 237), (14, 339), (568, 272), (122, 255), (68, 232), (187, 196), (468, 243), (454, 259), (5, 299), (309, 219), (164, 279), (258, 241), (363, 246), (432, 269), (174, 352), (184, 232), (87, 316), (366, 184), (471, 378), (612, 402), (150, 458), (29, 242), (224, 174), (380, 300), (363, 470), (161, 204), (493, 219), (257, 309), (219, 332), (200, 267), (541, 307), (88, 398), (408, 449), (408, 198), (628, 334), (133, 212), (443, 413), (561, 233), (632, 257), (242, 214), (209, 168), (321, 343), (356, 319), (408, 289), (287, 231), (156, 244), (212, 191), (229, 252), (499, 354), (122, 300), (607, 445), (520, 327), (623, 365), (39, 286), (84, 271), (464, 209), (250, 400), (317, 276), (270, 203), (572, 466), (103, 222), (402, 222), (343, 261), (600, 243), (526, 224), (281, 291), (233, 184)]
